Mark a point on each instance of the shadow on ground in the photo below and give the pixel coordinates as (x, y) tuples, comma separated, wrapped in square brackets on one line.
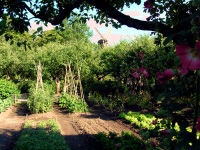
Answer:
[(85, 142), (5, 135), (22, 109), (96, 112)]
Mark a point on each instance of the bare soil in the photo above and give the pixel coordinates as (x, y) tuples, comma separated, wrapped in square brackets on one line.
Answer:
[(78, 129)]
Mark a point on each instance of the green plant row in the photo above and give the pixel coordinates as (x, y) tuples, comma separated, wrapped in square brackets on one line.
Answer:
[(73, 103), (140, 120), (4, 104), (148, 121), (45, 136)]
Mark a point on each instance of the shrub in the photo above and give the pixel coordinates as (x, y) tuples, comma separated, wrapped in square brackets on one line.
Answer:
[(7, 88), (72, 103), (141, 100), (40, 101)]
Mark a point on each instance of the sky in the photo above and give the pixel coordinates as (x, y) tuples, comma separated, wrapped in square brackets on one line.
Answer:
[(124, 32), (127, 33)]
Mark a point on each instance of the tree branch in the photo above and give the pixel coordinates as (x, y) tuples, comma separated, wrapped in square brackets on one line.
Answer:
[(66, 12), (40, 15), (130, 22), (111, 12), (60, 17), (29, 9)]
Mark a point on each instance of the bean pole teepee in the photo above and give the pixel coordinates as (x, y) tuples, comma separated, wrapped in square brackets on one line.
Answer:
[(72, 82), (39, 78)]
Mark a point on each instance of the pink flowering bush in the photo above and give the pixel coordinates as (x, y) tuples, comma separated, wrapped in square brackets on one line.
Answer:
[(165, 132), (198, 125), (162, 77), (117, 145), (137, 72), (189, 57), (141, 55), (154, 122), (183, 71), (144, 72)]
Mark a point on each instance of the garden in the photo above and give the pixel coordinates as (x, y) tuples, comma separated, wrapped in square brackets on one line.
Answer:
[(138, 94)]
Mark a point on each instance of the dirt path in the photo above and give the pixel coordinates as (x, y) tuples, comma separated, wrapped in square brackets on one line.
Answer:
[(78, 128)]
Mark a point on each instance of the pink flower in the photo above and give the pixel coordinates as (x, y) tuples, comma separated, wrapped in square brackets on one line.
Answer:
[(141, 55), (166, 75), (160, 77), (136, 74), (154, 122), (190, 57), (182, 71), (148, 4), (198, 125), (144, 72), (117, 145), (153, 143), (165, 132)]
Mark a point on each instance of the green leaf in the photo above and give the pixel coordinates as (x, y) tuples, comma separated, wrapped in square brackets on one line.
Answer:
[(45, 23), (11, 42), (168, 39), (138, 2), (19, 44), (29, 47), (37, 22), (7, 37), (39, 29)]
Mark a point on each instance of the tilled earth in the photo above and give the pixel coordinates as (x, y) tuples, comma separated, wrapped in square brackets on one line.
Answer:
[(78, 128)]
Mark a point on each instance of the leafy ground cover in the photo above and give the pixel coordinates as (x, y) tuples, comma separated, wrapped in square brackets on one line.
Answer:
[(149, 126), (4, 104), (41, 135), (138, 119)]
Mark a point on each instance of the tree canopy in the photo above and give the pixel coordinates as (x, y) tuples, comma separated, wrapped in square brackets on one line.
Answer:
[(15, 15)]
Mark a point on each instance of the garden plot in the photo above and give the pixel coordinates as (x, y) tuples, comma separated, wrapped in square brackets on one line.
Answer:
[(78, 129)]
